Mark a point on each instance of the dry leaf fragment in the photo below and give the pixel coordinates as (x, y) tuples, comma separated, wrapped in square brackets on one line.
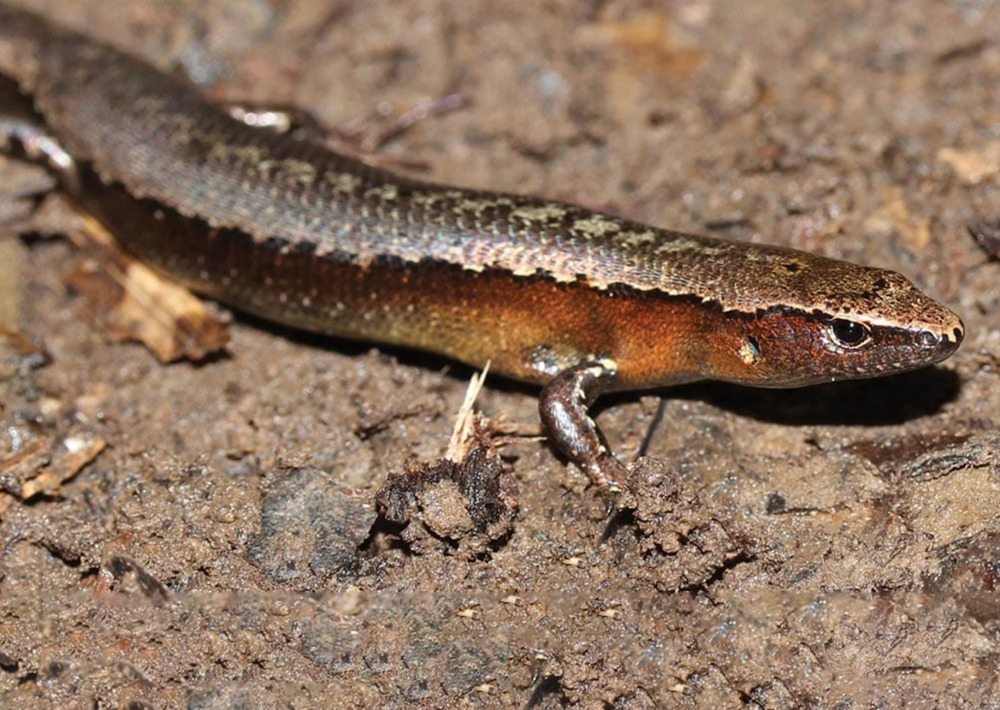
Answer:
[(133, 302)]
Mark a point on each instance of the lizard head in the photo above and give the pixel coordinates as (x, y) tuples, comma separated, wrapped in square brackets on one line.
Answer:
[(843, 322)]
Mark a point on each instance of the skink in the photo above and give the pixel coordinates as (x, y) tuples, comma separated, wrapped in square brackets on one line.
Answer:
[(576, 301)]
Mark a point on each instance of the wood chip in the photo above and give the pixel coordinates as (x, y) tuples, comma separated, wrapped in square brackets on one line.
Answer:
[(45, 464)]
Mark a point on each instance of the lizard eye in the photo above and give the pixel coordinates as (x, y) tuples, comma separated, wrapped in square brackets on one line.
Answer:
[(849, 333)]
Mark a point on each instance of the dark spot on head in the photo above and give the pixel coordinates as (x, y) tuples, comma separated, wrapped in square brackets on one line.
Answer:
[(881, 283), (791, 267)]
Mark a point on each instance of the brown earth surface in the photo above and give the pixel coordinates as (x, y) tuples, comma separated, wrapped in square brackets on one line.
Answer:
[(233, 537)]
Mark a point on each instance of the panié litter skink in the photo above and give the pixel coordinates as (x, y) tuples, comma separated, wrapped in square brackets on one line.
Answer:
[(574, 300)]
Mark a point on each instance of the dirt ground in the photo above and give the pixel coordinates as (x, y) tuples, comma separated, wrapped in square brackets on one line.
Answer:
[(233, 539)]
